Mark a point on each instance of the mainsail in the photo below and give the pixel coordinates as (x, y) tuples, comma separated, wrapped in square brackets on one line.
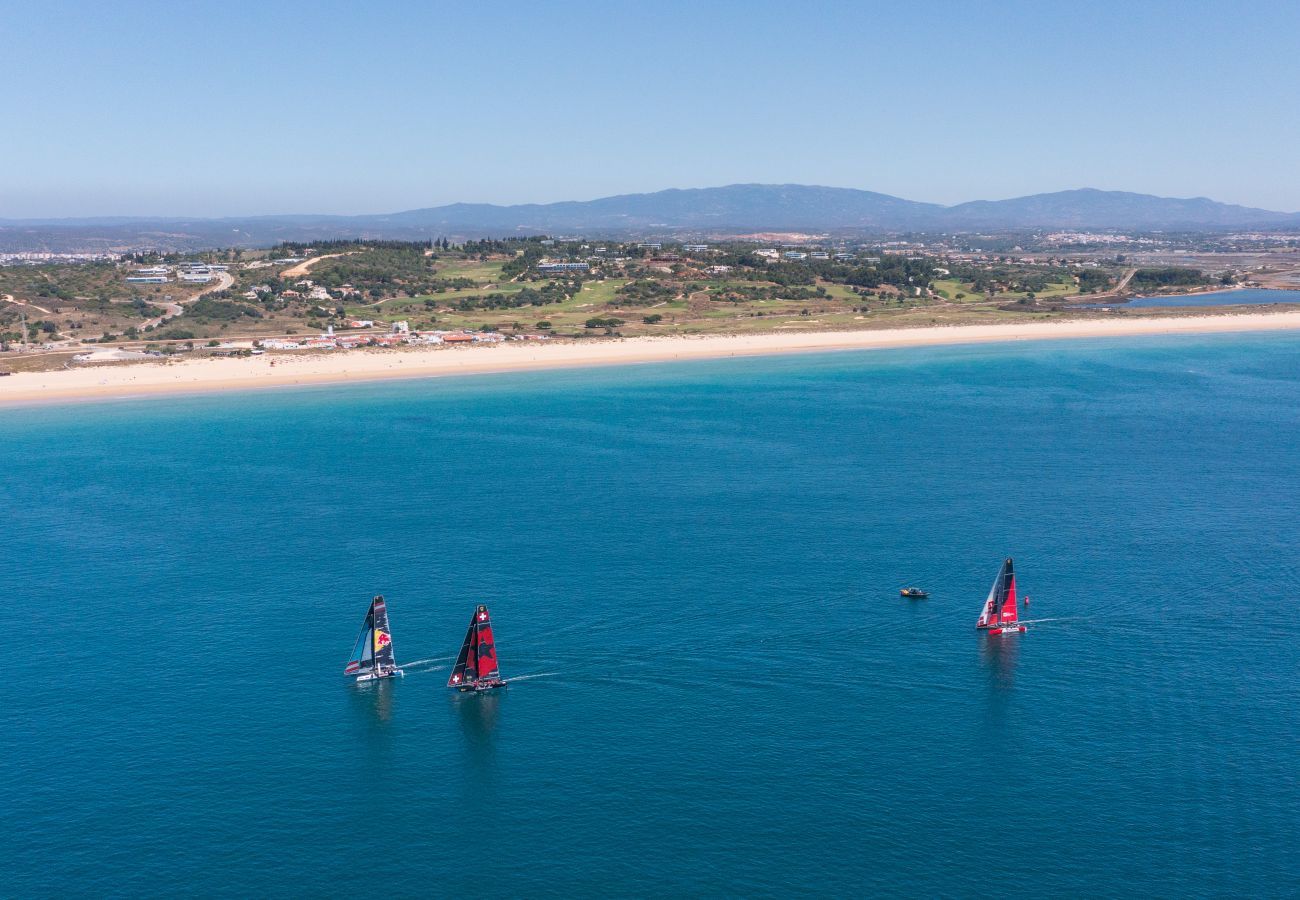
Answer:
[(373, 654), (1000, 608), (476, 664)]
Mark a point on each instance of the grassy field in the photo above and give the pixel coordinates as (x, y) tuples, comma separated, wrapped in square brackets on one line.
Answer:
[(486, 272), (700, 312), (950, 288)]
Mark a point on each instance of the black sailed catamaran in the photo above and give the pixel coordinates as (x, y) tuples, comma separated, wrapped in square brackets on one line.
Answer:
[(1000, 614), (372, 657), (476, 666)]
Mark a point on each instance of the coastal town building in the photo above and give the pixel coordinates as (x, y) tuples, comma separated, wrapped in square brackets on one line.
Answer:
[(563, 267)]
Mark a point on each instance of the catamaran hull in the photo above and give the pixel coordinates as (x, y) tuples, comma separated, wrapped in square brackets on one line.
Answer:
[(478, 688), (396, 673), (1010, 629)]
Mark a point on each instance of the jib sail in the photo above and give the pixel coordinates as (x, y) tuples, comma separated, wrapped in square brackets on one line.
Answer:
[(373, 652), (477, 660), (1001, 607)]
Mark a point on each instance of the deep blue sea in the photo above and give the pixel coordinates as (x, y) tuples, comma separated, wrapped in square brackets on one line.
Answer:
[(698, 564), (1243, 297)]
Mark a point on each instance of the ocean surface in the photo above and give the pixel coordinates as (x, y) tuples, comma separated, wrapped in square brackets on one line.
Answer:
[(693, 570), (1243, 297)]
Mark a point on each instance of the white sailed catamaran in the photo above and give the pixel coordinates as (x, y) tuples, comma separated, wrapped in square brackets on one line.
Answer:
[(372, 657), (1001, 614)]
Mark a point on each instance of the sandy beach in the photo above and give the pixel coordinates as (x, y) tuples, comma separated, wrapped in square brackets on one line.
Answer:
[(343, 367)]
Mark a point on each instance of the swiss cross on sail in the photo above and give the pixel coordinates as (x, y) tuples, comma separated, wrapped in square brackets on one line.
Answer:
[(373, 653), (476, 664), (1001, 608)]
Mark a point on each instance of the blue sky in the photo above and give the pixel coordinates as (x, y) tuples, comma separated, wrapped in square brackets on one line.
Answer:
[(345, 107)]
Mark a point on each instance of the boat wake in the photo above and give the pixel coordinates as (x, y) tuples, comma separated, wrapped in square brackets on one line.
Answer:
[(422, 662), (529, 677), (1056, 619)]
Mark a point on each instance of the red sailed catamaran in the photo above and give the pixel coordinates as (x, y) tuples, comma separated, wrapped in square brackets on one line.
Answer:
[(476, 667), (1001, 614), (372, 657)]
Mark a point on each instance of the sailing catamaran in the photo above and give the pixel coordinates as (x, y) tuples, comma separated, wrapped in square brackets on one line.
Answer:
[(372, 657), (1001, 615), (476, 667)]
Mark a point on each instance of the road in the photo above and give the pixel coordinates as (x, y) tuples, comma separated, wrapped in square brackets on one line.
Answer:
[(224, 282), (9, 298), (1123, 282), (1113, 293), (305, 266)]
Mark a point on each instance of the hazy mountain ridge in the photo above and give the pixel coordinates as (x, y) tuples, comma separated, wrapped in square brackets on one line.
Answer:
[(733, 208)]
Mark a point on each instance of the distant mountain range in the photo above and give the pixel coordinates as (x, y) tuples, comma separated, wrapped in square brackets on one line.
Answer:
[(734, 209)]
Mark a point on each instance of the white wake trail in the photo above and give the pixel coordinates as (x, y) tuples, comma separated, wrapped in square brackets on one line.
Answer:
[(432, 659), (530, 676)]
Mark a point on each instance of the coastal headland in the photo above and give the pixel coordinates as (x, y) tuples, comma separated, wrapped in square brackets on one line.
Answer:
[(344, 367)]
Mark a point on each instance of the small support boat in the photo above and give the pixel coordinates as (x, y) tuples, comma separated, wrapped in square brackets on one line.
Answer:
[(914, 593), (372, 657), (1001, 613), (476, 666)]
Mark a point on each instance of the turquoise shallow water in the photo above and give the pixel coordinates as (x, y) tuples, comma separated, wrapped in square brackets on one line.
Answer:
[(702, 561)]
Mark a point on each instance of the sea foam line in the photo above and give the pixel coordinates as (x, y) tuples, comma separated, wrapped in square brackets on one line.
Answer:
[(530, 676), (420, 662)]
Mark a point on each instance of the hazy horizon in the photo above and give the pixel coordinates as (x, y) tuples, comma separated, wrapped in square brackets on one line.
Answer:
[(305, 212), (298, 109)]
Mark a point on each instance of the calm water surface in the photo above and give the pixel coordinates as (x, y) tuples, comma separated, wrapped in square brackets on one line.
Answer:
[(1243, 297), (700, 564)]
